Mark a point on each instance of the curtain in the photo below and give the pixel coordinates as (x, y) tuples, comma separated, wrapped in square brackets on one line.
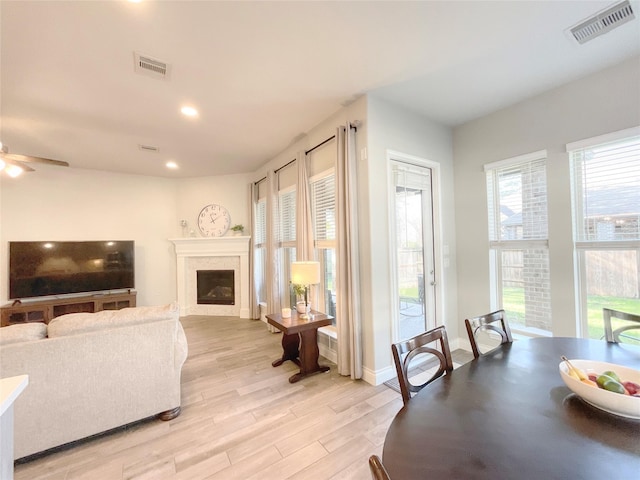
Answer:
[(273, 251), (304, 221), (347, 263), (254, 309)]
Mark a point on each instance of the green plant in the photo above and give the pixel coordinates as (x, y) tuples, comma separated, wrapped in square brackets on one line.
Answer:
[(298, 289), (237, 228)]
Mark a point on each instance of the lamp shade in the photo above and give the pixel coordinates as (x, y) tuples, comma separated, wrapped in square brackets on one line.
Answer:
[(305, 273)]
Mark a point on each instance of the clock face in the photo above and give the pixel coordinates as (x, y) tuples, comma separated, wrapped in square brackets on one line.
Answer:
[(214, 220)]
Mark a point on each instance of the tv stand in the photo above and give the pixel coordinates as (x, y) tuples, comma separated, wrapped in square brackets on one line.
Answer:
[(45, 310)]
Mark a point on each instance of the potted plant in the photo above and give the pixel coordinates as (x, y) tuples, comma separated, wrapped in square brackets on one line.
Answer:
[(299, 291), (237, 229)]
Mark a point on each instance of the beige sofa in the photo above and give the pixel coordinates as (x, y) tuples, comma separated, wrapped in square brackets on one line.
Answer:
[(92, 372)]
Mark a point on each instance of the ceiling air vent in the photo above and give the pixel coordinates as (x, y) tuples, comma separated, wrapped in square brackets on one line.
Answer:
[(150, 66), (603, 22), (148, 148)]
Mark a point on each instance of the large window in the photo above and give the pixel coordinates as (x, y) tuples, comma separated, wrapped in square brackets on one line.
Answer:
[(517, 208), (606, 224), (323, 212), (286, 228)]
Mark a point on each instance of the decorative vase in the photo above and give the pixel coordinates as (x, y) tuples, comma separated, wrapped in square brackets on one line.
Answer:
[(302, 308)]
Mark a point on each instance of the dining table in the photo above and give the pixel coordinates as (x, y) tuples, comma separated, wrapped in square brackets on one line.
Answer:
[(509, 415)]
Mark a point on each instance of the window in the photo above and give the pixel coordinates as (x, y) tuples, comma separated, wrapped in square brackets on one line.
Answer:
[(323, 212), (605, 174), (286, 235), (517, 208)]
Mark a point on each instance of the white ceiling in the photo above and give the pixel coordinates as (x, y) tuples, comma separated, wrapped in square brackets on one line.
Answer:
[(261, 73)]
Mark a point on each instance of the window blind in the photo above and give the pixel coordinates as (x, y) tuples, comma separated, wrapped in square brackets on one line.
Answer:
[(323, 207), (260, 227), (517, 201), (287, 210), (606, 191)]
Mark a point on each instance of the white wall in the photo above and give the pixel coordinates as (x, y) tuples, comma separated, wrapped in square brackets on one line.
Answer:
[(396, 129), (231, 191), (57, 203), (604, 102)]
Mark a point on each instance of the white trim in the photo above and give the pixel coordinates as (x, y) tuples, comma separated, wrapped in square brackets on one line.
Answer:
[(438, 260), (527, 157), (518, 244), (606, 138), (608, 245)]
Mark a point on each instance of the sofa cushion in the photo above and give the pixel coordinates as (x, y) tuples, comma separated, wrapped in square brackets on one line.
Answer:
[(23, 332), (78, 323)]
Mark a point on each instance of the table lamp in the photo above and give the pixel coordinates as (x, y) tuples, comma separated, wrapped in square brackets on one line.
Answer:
[(306, 274)]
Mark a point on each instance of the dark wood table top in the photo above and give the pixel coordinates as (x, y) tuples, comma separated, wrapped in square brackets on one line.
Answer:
[(295, 324), (508, 415)]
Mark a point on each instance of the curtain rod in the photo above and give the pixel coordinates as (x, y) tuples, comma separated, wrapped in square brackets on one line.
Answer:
[(284, 166), (261, 180), (354, 127)]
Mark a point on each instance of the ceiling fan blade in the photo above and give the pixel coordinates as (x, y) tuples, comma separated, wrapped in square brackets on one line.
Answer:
[(31, 159), (23, 166)]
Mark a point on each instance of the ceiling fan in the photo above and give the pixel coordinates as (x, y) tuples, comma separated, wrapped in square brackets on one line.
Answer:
[(14, 164)]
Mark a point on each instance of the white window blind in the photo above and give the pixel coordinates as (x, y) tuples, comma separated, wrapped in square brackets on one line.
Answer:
[(287, 210), (323, 205), (606, 191), (517, 195), (260, 227)]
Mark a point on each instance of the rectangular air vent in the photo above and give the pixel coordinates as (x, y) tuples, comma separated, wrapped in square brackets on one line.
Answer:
[(603, 22), (146, 65), (149, 148)]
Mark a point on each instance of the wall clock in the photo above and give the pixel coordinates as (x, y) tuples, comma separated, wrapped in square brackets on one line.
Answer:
[(214, 220)]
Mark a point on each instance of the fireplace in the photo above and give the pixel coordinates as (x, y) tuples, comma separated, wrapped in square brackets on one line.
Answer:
[(215, 287), (197, 254)]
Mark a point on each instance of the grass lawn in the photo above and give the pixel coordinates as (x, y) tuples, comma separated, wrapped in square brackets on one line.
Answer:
[(513, 302)]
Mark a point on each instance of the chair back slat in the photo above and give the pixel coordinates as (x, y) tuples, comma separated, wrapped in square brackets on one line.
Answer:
[(495, 322), (405, 351), (618, 334)]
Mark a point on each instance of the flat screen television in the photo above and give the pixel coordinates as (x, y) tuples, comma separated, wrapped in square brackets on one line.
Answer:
[(38, 269)]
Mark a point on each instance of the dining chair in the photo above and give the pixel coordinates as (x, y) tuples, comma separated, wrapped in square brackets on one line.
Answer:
[(378, 472), (619, 335), (494, 322), (419, 345)]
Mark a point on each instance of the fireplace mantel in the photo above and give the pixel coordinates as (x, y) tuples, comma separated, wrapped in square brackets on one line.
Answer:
[(191, 250)]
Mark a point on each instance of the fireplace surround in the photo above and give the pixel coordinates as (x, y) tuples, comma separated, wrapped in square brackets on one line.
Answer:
[(214, 254)]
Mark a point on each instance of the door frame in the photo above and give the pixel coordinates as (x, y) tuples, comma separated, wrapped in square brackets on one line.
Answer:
[(396, 156)]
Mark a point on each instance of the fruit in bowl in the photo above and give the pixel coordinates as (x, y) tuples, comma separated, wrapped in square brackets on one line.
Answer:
[(610, 387)]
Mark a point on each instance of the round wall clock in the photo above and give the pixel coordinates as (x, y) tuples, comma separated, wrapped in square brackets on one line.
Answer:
[(214, 220)]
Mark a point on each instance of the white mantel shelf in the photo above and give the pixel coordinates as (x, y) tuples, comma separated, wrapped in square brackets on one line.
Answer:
[(190, 248)]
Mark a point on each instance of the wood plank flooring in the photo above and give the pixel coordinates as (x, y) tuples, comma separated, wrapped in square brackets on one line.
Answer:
[(241, 419)]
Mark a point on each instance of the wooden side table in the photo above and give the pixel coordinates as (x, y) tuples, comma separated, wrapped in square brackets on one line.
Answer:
[(300, 341)]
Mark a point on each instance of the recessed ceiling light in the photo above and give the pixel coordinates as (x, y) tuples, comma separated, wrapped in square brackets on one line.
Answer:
[(171, 165), (189, 111)]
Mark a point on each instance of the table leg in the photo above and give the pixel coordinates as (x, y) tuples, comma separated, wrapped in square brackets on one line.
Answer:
[(290, 350), (309, 354)]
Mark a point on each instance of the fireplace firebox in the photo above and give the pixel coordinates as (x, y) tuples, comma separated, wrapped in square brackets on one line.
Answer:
[(215, 287)]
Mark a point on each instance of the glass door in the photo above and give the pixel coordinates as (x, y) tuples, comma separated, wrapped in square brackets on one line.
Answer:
[(412, 222)]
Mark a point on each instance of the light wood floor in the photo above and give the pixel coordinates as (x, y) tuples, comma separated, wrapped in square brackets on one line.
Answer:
[(241, 419)]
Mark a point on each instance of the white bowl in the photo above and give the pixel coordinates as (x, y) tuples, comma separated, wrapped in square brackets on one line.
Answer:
[(616, 403)]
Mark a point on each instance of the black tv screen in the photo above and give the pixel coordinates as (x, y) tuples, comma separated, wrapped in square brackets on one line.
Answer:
[(38, 269)]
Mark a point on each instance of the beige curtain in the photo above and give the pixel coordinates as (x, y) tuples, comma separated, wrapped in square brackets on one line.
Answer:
[(273, 235), (254, 309), (304, 222), (347, 263)]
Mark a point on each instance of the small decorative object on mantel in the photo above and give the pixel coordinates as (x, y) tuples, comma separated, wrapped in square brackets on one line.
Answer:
[(237, 230)]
